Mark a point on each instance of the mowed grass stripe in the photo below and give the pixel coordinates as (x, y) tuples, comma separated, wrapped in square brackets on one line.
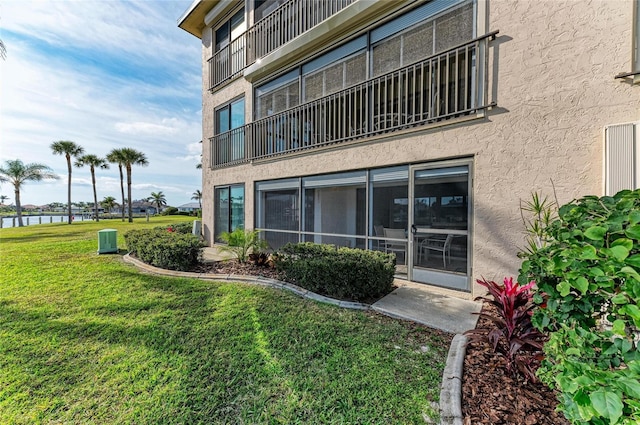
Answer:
[(88, 339)]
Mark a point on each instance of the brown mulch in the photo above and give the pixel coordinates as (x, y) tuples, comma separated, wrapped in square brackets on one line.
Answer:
[(490, 396), (234, 267)]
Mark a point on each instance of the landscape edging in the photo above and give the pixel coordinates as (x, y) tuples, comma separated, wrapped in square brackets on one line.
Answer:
[(258, 280), (451, 390)]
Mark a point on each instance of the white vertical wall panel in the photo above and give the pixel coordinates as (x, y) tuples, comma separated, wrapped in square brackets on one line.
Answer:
[(622, 163)]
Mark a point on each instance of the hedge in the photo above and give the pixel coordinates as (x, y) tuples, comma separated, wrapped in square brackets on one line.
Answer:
[(342, 273), (166, 249)]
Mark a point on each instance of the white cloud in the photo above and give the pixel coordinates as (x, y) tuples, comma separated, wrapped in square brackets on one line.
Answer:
[(144, 94)]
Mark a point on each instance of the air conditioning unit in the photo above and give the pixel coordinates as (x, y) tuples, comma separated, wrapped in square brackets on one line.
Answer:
[(622, 157)]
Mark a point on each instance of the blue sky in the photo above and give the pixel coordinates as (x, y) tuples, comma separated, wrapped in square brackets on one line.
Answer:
[(105, 74)]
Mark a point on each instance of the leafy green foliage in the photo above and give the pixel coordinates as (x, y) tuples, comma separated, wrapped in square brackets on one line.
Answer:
[(181, 227), (243, 242), (588, 297), (165, 248), (512, 335), (537, 214), (169, 211), (343, 273)]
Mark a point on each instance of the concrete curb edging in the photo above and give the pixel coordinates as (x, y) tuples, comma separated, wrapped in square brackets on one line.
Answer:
[(263, 281), (451, 390)]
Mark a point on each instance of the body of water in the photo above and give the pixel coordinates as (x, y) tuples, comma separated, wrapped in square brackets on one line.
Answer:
[(30, 220)]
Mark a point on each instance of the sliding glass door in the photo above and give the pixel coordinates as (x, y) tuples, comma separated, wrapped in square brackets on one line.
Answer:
[(440, 216)]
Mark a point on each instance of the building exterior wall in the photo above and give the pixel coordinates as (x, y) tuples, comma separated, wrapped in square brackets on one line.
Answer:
[(551, 74)]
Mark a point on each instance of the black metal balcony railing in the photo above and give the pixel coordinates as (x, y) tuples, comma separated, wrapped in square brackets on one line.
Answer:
[(447, 85), (227, 62), (279, 27), (287, 22)]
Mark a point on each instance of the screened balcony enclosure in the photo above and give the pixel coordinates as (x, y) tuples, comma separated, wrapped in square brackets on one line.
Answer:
[(447, 85), (277, 23)]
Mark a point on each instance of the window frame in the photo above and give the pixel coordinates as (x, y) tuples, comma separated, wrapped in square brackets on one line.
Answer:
[(228, 105), (421, 15), (228, 24), (229, 225)]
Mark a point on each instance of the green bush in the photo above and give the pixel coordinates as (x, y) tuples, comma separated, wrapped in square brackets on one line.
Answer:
[(169, 211), (342, 273), (588, 297), (165, 249), (184, 227)]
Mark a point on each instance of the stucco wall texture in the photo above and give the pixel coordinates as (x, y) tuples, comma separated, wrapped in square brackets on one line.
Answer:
[(551, 74)]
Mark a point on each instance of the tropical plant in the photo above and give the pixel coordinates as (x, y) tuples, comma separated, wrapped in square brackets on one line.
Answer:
[(68, 149), (512, 334), (108, 203), (116, 157), (197, 196), (588, 296), (242, 242), (3, 198), (93, 161), (129, 157), (158, 199), (537, 214), (17, 173)]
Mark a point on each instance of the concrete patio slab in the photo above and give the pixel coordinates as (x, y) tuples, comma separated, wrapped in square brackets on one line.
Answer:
[(422, 304)]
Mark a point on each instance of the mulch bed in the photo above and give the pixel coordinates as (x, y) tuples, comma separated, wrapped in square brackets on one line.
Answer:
[(491, 396), (234, 267)]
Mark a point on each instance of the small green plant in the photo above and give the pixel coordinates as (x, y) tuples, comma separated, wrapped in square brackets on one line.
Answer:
[(588, 301), (540, 212), (243, 242)]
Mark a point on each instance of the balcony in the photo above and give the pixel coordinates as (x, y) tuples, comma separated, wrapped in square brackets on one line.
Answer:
[(447, 85), (287, 22), (279, 27)]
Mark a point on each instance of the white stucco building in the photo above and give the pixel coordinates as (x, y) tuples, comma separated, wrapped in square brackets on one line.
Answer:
[(413, 126)]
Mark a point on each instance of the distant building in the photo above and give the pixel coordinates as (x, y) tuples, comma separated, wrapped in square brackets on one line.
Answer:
[(189, 207), (137, 207)]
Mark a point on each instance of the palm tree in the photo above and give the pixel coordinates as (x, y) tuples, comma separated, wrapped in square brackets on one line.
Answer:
[(68, 149), (116, 157), (17, 173), (93, 161), (197, 196), (130, 157), (3, 198), (108, 203), (3, 50), (159, 199)]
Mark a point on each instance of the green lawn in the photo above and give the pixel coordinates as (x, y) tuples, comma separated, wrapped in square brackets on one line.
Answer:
[(88, 339)]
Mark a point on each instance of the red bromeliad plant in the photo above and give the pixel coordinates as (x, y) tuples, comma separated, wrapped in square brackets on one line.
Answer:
[(513, 335)]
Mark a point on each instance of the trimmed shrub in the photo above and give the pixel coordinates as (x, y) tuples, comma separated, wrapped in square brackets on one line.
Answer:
[(183, 227), (169, 211), (588, 301), (343, 273), (165, 249)]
